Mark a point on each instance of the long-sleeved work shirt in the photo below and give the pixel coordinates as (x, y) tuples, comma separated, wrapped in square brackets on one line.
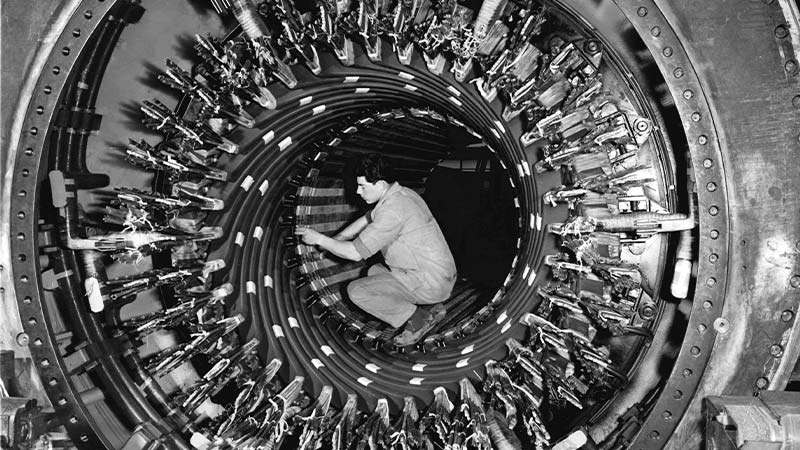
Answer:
[(402, 227)]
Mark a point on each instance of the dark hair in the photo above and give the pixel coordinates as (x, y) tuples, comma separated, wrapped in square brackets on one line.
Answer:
[(374, 167)]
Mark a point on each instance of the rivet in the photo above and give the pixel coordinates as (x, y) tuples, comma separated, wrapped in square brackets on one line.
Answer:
[(655, 435), (708, 163), (787, 315), (56, 70), (688, 94), (667, 51), (781, 31), (27, 300), (47, 90), (45, 363), (32, 321), (711, 281), (713, 210), (642, 11), (21, 236), (34, 131), (695, 351), (687, 373), (796, 101), (62, 401), (677, 394), (666, 415), (73, 420), (65, 51), (28, 151), (88, 14), (23, 339), (23, 278), (25, 172), (702, 140), (678, 72), (776, 350), (713, 234), (713, 258), (21, 215), (762, 382), (40, 109), (76, 32), (695, 116), (655, 31), (711, 187), (790, 66), (21, 257), (52, 382), (84, 438), (707, 305), (702, 328), (722, 325)]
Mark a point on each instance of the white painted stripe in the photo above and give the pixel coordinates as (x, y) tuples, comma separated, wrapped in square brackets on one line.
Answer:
[(454, 90), (327, 350), (372, 368), (410, 87), (527, 167), (406, 76), (533, 221), (318, 110), (362, 90), (285, 143), (365, 381), (516, 202), (505, 327), (350, 79), (251, 287), (416, 381), (495, 133), (456, 102), (468, 349), (418, 367), (462, 362), (258, 233), (248, 181), (293, 323), (317, 363), (306, 100), (500, 126), (520, 170), (239, 238), (268, 137), (538, 222), (267, 281), (278, 331), (263, 188), (503, 316), (526, 271), (531, 278)]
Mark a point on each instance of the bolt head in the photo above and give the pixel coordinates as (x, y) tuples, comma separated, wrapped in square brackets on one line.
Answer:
[(776, 350), (762, 382), (787, 315), (795, 281)]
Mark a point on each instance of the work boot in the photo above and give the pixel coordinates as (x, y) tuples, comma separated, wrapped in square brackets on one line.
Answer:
[(420, 323)]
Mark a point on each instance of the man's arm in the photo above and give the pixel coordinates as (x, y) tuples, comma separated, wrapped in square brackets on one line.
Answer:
[(353, 229), (342, 249)]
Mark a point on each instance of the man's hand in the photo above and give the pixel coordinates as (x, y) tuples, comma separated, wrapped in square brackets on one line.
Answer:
[(309, 236), (342, 249)]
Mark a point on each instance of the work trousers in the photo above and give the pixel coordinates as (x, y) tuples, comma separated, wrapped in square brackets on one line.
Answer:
[(384, 296)]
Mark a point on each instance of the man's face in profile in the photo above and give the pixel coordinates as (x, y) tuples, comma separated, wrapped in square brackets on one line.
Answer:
[(370, 192)]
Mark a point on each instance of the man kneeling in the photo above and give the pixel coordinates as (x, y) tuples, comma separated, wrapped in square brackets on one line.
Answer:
[(419, 267)]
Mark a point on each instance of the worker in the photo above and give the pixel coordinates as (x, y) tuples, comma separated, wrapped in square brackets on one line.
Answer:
[(418, 267)]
